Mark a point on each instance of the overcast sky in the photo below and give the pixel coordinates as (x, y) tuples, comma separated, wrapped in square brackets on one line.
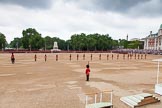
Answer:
[(62, 18)]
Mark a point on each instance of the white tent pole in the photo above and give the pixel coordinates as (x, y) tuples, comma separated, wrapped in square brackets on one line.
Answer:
[(157, 81), (86, 102), (95, 98)]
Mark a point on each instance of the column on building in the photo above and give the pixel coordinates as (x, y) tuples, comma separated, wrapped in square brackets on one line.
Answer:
[(155, 47), (147, 44), (160, 43)]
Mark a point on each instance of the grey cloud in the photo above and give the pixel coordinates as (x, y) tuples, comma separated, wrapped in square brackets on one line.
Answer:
[(29, 3), (117, 5), (126, 7), (149, 9), (108, 5)]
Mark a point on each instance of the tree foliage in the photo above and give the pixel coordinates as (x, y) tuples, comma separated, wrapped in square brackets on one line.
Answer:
[(2, 41), (80, 42), (16, 43), (31, 38), (91, 42)]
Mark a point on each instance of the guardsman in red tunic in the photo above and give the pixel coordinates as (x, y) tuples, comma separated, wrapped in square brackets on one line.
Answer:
[(12, 58), (117, 56), (77, 56), (112, 56), (107, 56), (56, 57), (131, 56), (128, 55), (91, 56), (83, 56), (141, 56), (35, 57), (123, 56), (70, 57), (100, 57), (138, 56), (87, 72), (45, 57)]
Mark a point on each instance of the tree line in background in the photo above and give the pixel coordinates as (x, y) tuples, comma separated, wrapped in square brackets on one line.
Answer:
[(32, 40)]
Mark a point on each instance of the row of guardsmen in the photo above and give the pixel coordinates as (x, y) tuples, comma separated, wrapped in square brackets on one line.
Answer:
[(125, 56)]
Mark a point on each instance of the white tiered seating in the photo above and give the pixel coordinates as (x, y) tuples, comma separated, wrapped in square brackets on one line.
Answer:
[(158, 89), (139, 99)]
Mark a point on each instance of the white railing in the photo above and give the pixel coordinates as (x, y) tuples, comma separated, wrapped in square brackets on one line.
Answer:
[(100, 94)]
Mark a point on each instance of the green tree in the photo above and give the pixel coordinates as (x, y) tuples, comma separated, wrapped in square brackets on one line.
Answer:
[(123, 43), (16, 43), (68, 45), (2, 41), (134, 44), (48, 42), (31, 38), (115, 44)]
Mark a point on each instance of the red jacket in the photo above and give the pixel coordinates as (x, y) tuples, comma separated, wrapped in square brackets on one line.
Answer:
[(87, 71)]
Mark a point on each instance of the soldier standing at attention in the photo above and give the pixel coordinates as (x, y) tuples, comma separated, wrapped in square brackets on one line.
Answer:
[(91, 57), (35, 57), (123, 56), (138, 56), (112, 56), (56, 57), (70, 57), (117, 56), (77, 56), (83, 56), (100, 57), (107, 56), (45, 57), (12, 58), (87, 72)]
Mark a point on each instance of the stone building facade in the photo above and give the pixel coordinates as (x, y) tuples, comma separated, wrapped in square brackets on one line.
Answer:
[(154, 41)]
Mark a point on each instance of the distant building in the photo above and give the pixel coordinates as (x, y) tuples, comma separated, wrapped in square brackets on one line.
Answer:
[(154, 41)]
